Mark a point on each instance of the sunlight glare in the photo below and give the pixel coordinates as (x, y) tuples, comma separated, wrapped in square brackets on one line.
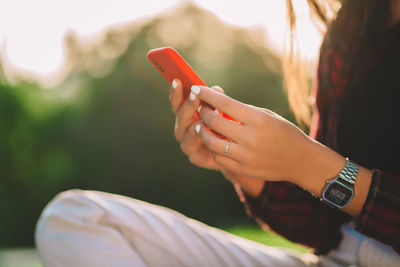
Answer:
[(32, 32)]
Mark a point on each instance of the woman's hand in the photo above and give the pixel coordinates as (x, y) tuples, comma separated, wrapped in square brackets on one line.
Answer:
[(190, 142), (263, 145), (193, 146)]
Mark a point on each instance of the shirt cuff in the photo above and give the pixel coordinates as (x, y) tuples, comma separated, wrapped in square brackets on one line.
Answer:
[(380, 216)]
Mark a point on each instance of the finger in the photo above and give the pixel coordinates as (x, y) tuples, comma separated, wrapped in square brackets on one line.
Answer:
[(230, 106), (203, 159), (191, 142), (218, 89), (217, 145), (216, 122), (176, 95), (197, 152), (227, 164), (186, 116)]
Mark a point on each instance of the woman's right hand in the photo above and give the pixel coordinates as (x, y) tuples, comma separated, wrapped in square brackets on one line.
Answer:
[(190, 142), (192, 145)]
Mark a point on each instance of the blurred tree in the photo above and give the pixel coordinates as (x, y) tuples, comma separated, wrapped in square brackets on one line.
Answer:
[(109, 127)]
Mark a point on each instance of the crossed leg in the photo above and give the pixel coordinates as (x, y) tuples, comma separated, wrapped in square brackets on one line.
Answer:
[(90, 228)]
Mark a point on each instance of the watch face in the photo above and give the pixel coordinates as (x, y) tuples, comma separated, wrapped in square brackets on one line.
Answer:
[(338, 194)]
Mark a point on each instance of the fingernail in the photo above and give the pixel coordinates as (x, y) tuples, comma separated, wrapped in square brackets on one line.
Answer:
[(174, 84), (192, 96), (197, 128), (199, 108), (218, 88), (195, 89)]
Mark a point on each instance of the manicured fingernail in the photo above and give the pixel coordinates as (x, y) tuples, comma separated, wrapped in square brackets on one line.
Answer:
[(199, 108), (197, 128), (174, 84), (192, 96), (195, 89)]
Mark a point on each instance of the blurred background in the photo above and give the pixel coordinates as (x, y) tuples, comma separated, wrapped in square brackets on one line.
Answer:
[(80, 106)]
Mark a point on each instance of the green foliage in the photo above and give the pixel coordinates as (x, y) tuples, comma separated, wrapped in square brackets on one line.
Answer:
[(109, 127)]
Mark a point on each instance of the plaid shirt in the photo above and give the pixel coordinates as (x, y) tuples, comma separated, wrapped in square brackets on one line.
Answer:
[(295, 213)]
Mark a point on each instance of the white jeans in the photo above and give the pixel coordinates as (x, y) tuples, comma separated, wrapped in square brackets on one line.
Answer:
[(89, 228)]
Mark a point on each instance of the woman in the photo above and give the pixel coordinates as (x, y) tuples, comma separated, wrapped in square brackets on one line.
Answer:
[(280, 173)]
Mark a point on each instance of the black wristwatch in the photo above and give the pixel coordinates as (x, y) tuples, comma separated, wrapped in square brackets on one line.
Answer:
[(340, 190)]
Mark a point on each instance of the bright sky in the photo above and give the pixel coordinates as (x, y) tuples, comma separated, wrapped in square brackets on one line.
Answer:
[(32, 32)]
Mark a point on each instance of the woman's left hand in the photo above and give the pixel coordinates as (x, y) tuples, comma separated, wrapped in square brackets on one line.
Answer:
[(263, 145)]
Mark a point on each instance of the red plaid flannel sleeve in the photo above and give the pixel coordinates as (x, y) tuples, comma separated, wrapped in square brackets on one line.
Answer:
[(295, 214), (380, 217)]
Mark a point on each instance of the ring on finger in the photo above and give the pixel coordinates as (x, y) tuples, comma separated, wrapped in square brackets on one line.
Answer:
[(226, 151)]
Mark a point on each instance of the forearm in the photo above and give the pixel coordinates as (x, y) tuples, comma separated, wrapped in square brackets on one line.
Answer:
[(318, 165), (267, 146), (321, 164)]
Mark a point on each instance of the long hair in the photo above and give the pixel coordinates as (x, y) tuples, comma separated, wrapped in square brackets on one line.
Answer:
[(294, 70)]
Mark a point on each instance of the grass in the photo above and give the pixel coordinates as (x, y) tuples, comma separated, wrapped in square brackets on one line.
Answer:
[(264, 237), (19, 257)]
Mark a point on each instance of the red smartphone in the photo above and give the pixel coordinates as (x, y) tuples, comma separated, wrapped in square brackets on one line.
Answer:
[(172, 66)]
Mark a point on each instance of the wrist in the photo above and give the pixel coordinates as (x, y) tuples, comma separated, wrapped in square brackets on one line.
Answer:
[(322, 164), (319, 165), (361, 189)]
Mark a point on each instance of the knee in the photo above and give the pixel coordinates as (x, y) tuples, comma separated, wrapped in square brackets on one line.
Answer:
[(59, 217)]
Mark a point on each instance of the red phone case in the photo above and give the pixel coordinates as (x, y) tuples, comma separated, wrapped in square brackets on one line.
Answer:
[(171, 66)]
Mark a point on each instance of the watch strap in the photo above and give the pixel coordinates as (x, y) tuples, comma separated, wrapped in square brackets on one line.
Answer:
[(349, 172)]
